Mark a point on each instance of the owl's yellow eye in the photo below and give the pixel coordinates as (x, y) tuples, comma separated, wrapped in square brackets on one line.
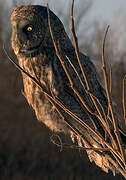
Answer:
[(29, 28)]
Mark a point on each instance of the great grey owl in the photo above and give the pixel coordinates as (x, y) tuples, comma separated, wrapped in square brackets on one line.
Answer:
[(34, 48)]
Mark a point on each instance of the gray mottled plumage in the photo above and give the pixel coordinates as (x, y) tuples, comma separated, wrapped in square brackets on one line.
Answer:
[(36, 55)]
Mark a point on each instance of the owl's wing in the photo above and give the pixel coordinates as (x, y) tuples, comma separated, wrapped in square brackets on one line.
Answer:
[(95, 87), (96, 90)]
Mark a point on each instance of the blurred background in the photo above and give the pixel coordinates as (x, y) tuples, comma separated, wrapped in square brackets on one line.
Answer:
[(26, 151)]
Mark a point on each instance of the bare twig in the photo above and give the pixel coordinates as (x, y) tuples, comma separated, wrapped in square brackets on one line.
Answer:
[(75, 40), (61, 145), (110, 80), (109, 99), (123, 99)]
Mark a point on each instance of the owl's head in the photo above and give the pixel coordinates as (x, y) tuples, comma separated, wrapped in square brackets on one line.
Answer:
[(30, 30)]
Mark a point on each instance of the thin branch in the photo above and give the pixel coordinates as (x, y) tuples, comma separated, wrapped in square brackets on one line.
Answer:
[(76, 46), (109, 98), (76, 72), (61, 145), (123, 99), (110, 80), (75, 40)]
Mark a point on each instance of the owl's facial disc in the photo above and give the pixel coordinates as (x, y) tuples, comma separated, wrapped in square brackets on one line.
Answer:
[(27, 37)]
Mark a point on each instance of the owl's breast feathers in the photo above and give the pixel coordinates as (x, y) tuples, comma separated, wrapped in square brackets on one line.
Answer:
[(42, 68)]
